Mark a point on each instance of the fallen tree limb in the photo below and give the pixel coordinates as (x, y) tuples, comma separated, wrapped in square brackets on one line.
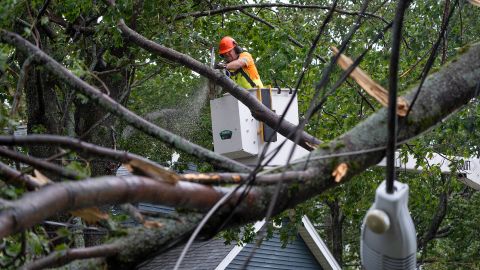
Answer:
[(34, 207), (37, 206), (436, 101), (117, 109)]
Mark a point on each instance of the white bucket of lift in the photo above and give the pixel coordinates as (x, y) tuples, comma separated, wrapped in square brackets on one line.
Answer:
[(237, 135)]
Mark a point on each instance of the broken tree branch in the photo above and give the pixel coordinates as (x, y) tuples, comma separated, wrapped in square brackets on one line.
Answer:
[(16, 178), (35, 207), (260, 179), (370, 86)]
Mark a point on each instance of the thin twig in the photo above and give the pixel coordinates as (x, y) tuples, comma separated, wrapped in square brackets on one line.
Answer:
[(57, 258), (281, 5)]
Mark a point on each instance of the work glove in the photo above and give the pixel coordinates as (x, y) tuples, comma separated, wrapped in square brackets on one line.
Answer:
[(219, 65)]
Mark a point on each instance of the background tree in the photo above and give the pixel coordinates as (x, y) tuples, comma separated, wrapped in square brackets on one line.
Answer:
[(83, 36)]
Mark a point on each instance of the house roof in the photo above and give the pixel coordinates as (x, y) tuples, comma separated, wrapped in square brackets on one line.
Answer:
[(307, 252), (201, 255)]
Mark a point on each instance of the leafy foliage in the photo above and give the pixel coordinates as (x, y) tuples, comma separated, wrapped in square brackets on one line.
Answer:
[(176, 98)]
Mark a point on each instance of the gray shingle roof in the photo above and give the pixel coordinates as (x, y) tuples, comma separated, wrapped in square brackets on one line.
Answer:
[(209, 254), (270, 255), (202, 255)]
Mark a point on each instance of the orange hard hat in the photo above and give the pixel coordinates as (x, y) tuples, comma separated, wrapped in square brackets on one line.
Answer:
[(226, 44)]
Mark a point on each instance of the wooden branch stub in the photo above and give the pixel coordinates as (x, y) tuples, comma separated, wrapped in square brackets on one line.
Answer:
[(370, 86), (91, 215), (40, 179), (340, 171), (152, 224), (311, 145)]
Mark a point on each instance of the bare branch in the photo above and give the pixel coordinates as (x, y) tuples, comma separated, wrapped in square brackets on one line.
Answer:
[(269, 5), (59, 258), (133, 212), (75, 144), (40, 164), (117, 109), (62, 22)]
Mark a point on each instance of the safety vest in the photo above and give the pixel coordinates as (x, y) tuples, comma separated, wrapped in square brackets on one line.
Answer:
[(247, 76)]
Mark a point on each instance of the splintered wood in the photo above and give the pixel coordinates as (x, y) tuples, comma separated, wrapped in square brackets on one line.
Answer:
[(152, 170), (370, 86), (40, 179), (152, 224), (475, 2), (340, 171), (91, 215), (211, 178)]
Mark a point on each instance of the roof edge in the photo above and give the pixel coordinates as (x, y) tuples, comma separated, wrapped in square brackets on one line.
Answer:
[(315, 243), (237, 249)]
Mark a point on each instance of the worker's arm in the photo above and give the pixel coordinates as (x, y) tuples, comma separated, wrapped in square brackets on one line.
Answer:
[(236, 64)]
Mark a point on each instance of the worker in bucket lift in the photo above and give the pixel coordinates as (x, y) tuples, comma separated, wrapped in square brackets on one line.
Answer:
[(239, 64)]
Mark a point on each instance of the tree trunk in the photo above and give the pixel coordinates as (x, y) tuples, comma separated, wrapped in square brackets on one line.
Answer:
[(103, 127), (336, 227), (43, 113)]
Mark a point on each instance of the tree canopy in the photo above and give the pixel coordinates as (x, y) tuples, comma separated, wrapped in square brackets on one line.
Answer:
[(97, 84)]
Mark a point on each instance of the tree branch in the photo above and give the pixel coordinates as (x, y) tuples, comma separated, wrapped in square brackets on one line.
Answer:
[(117, 109), (271, 26), (437, 219), (40, 164), (75, 144), (62, 22), (58, 258), (35, 207), (259, 111), (269, 5)]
